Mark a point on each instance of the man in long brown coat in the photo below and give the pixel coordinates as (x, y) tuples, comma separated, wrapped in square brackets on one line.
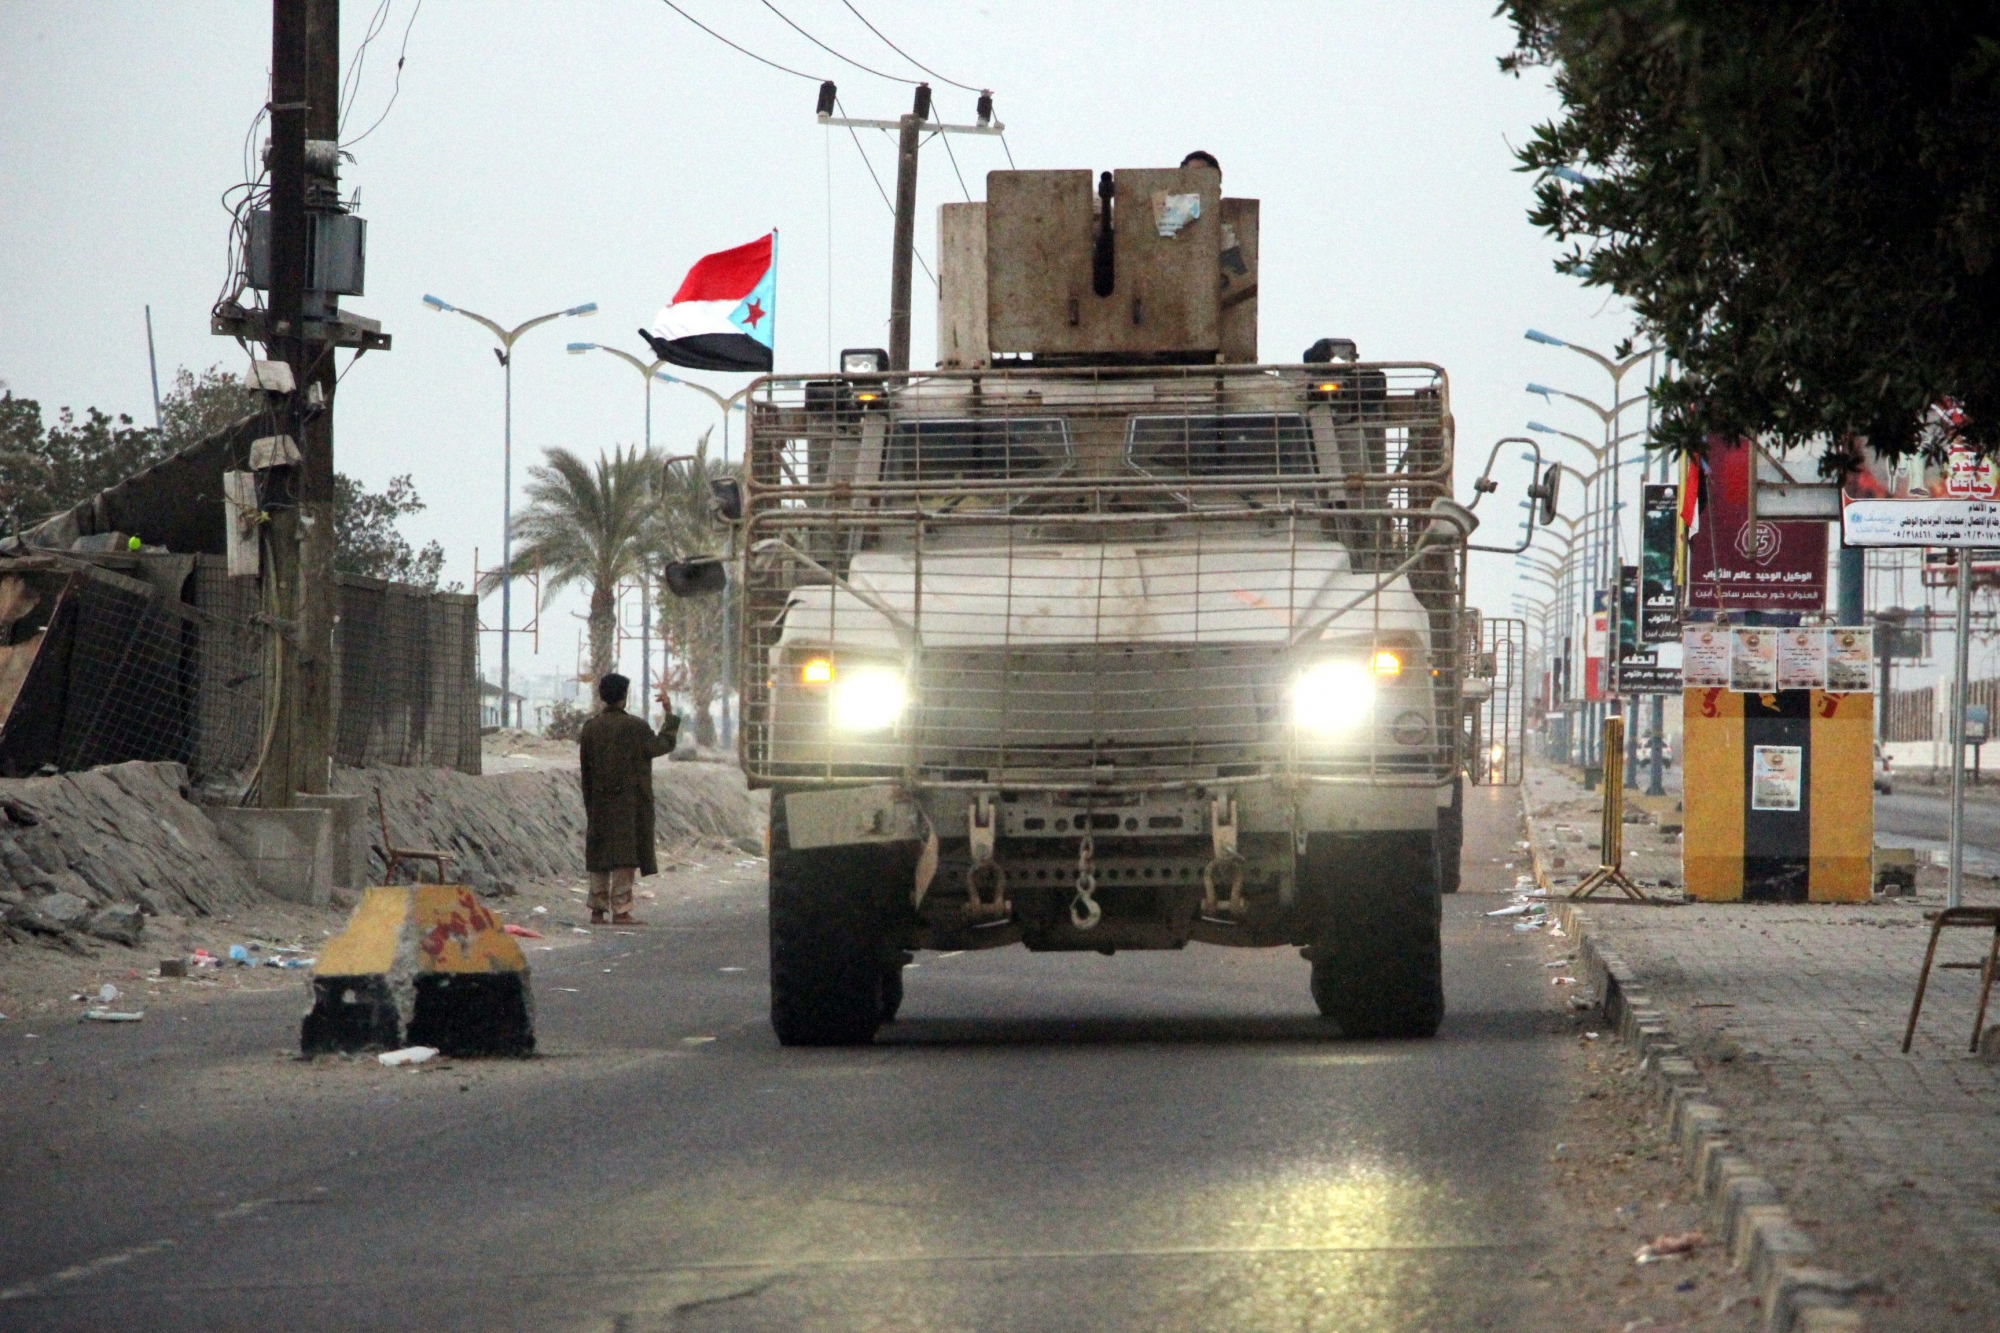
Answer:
[(618, 750)]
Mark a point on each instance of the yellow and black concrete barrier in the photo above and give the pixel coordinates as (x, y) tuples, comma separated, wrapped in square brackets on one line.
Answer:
[(424, 965), (1779, 796)]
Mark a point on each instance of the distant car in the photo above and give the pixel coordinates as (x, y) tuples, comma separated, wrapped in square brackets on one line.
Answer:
[(1646, 744), (1882, 762)]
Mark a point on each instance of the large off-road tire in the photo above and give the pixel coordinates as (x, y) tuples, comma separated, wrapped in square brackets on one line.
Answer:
[(1451, 837), (1378, 966), (829, 937)]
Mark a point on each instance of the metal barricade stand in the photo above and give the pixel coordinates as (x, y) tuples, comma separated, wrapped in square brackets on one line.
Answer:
[(1611, 838)]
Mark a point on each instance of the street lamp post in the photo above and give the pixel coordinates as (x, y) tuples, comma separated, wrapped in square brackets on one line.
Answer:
[(732, 402), (505, 353), (647, 370)]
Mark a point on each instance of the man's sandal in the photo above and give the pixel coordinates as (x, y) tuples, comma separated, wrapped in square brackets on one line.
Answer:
[(626, 919), (596, 917)]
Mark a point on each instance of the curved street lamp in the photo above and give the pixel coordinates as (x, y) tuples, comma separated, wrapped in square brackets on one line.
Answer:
[(505, 354)]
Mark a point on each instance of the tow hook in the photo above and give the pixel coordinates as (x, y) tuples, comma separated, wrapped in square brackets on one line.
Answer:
[(1226, 861), (985, 872), (1084, 912)]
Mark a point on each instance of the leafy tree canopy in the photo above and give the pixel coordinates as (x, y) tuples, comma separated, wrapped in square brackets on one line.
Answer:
[(1798, 199), (44, 471)]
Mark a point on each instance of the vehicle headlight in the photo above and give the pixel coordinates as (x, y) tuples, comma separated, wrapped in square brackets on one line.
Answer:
[(867, 697), (1333, 697)]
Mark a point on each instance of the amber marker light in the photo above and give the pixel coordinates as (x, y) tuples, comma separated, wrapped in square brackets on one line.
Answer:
[(1386, 664), (817, 671)]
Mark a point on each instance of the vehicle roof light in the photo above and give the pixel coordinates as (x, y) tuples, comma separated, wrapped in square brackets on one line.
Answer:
[(816, 671), (1386, 663)]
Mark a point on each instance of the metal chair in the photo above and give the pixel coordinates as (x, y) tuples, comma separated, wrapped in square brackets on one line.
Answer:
[(395, 856), (1982, 918)]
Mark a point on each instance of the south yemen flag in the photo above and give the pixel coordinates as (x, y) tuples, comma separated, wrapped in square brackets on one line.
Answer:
[(723, 316)]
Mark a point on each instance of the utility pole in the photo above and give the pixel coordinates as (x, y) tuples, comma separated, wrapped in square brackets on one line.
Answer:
[(305, 251), (291, 45), (909, 130), (906, 228), (313, 760)]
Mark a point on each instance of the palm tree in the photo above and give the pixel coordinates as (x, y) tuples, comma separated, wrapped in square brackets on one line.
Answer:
[(586, 524), (684, 525)]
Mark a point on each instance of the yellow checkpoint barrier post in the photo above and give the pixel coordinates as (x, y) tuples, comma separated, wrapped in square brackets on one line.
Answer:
[(1778, 796), (426, 965), (1611, 831)]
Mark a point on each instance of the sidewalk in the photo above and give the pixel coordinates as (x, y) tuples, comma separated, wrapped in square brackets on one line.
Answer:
[(1794, 1015)]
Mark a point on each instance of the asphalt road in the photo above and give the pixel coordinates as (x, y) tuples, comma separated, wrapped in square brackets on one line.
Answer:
[(1147, 1141), (1920, 817)]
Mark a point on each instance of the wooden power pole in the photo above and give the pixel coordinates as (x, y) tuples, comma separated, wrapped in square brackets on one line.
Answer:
[(907, 130), (305, 108)]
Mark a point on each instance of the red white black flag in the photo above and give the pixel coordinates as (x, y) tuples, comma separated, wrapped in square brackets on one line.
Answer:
[(725, 312)]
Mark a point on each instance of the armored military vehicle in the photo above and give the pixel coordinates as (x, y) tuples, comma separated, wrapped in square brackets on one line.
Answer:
[(1102, 634)]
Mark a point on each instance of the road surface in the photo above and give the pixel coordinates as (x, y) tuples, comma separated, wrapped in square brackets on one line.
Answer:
[(1060, 1142)]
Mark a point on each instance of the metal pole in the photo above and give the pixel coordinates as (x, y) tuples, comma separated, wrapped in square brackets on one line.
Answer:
[(1963, 655), (728, 617), (646, 592), (507, 528), (153, 362), (906, 228)]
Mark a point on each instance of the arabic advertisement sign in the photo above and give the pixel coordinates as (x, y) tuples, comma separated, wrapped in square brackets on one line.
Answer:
[(1659, 607), (1779, 567), (1593, 647), (1951, 504), (1705, 651)]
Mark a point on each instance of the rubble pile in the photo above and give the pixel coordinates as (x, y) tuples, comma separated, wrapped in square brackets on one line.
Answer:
[(94, 853), (508, 829)]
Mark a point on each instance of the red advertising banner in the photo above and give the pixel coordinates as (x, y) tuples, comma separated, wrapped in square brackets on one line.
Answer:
[(1782, 567)]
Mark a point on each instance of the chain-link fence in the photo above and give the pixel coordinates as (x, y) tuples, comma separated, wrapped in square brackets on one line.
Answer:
[(103, 668)]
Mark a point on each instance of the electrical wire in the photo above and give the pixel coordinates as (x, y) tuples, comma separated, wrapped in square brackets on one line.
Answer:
[(741, 50), (905, 54), (946, 138), (887, 202), (865, 69), (402, 54), (1008, 151), (350, 83)]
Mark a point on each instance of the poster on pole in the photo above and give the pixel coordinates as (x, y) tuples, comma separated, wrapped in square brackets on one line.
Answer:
[(1778, 566), (1753, 661), (1705, 657), (1777, 776), (1802, 659), (1660, 596), (1850, 659)]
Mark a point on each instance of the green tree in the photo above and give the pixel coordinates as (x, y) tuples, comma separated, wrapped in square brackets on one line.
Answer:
[(200, 405), (586, 523), (1800, 200), (366, 539), (684, 525)]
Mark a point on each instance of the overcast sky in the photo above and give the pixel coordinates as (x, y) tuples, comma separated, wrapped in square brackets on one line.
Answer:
[(543, 155)]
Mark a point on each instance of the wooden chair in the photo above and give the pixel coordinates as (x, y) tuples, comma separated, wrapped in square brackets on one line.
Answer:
[(1978, 918), (395, 856)]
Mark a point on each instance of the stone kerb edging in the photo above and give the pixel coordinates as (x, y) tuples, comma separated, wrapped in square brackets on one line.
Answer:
[(1744, 1208)]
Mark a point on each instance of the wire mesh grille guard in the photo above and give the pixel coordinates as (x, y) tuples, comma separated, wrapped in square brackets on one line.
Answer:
[(1152, 576)]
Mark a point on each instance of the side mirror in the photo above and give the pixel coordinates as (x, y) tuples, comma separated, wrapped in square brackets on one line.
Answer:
[(727, 495), (697, 576), (1545, 492)]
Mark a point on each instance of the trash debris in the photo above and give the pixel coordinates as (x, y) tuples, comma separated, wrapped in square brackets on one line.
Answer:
[(1527, 925), (521, 931), (1562, 981), (238, 954), (578, 930), (203, 958), (649, 895), (107, 992), (1518, 909), (409, 1055), (173, 967), (1662, 1248), (541, 911), (110, 1016)]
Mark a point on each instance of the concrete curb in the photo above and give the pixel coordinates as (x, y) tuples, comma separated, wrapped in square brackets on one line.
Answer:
[(1744, 1207)]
